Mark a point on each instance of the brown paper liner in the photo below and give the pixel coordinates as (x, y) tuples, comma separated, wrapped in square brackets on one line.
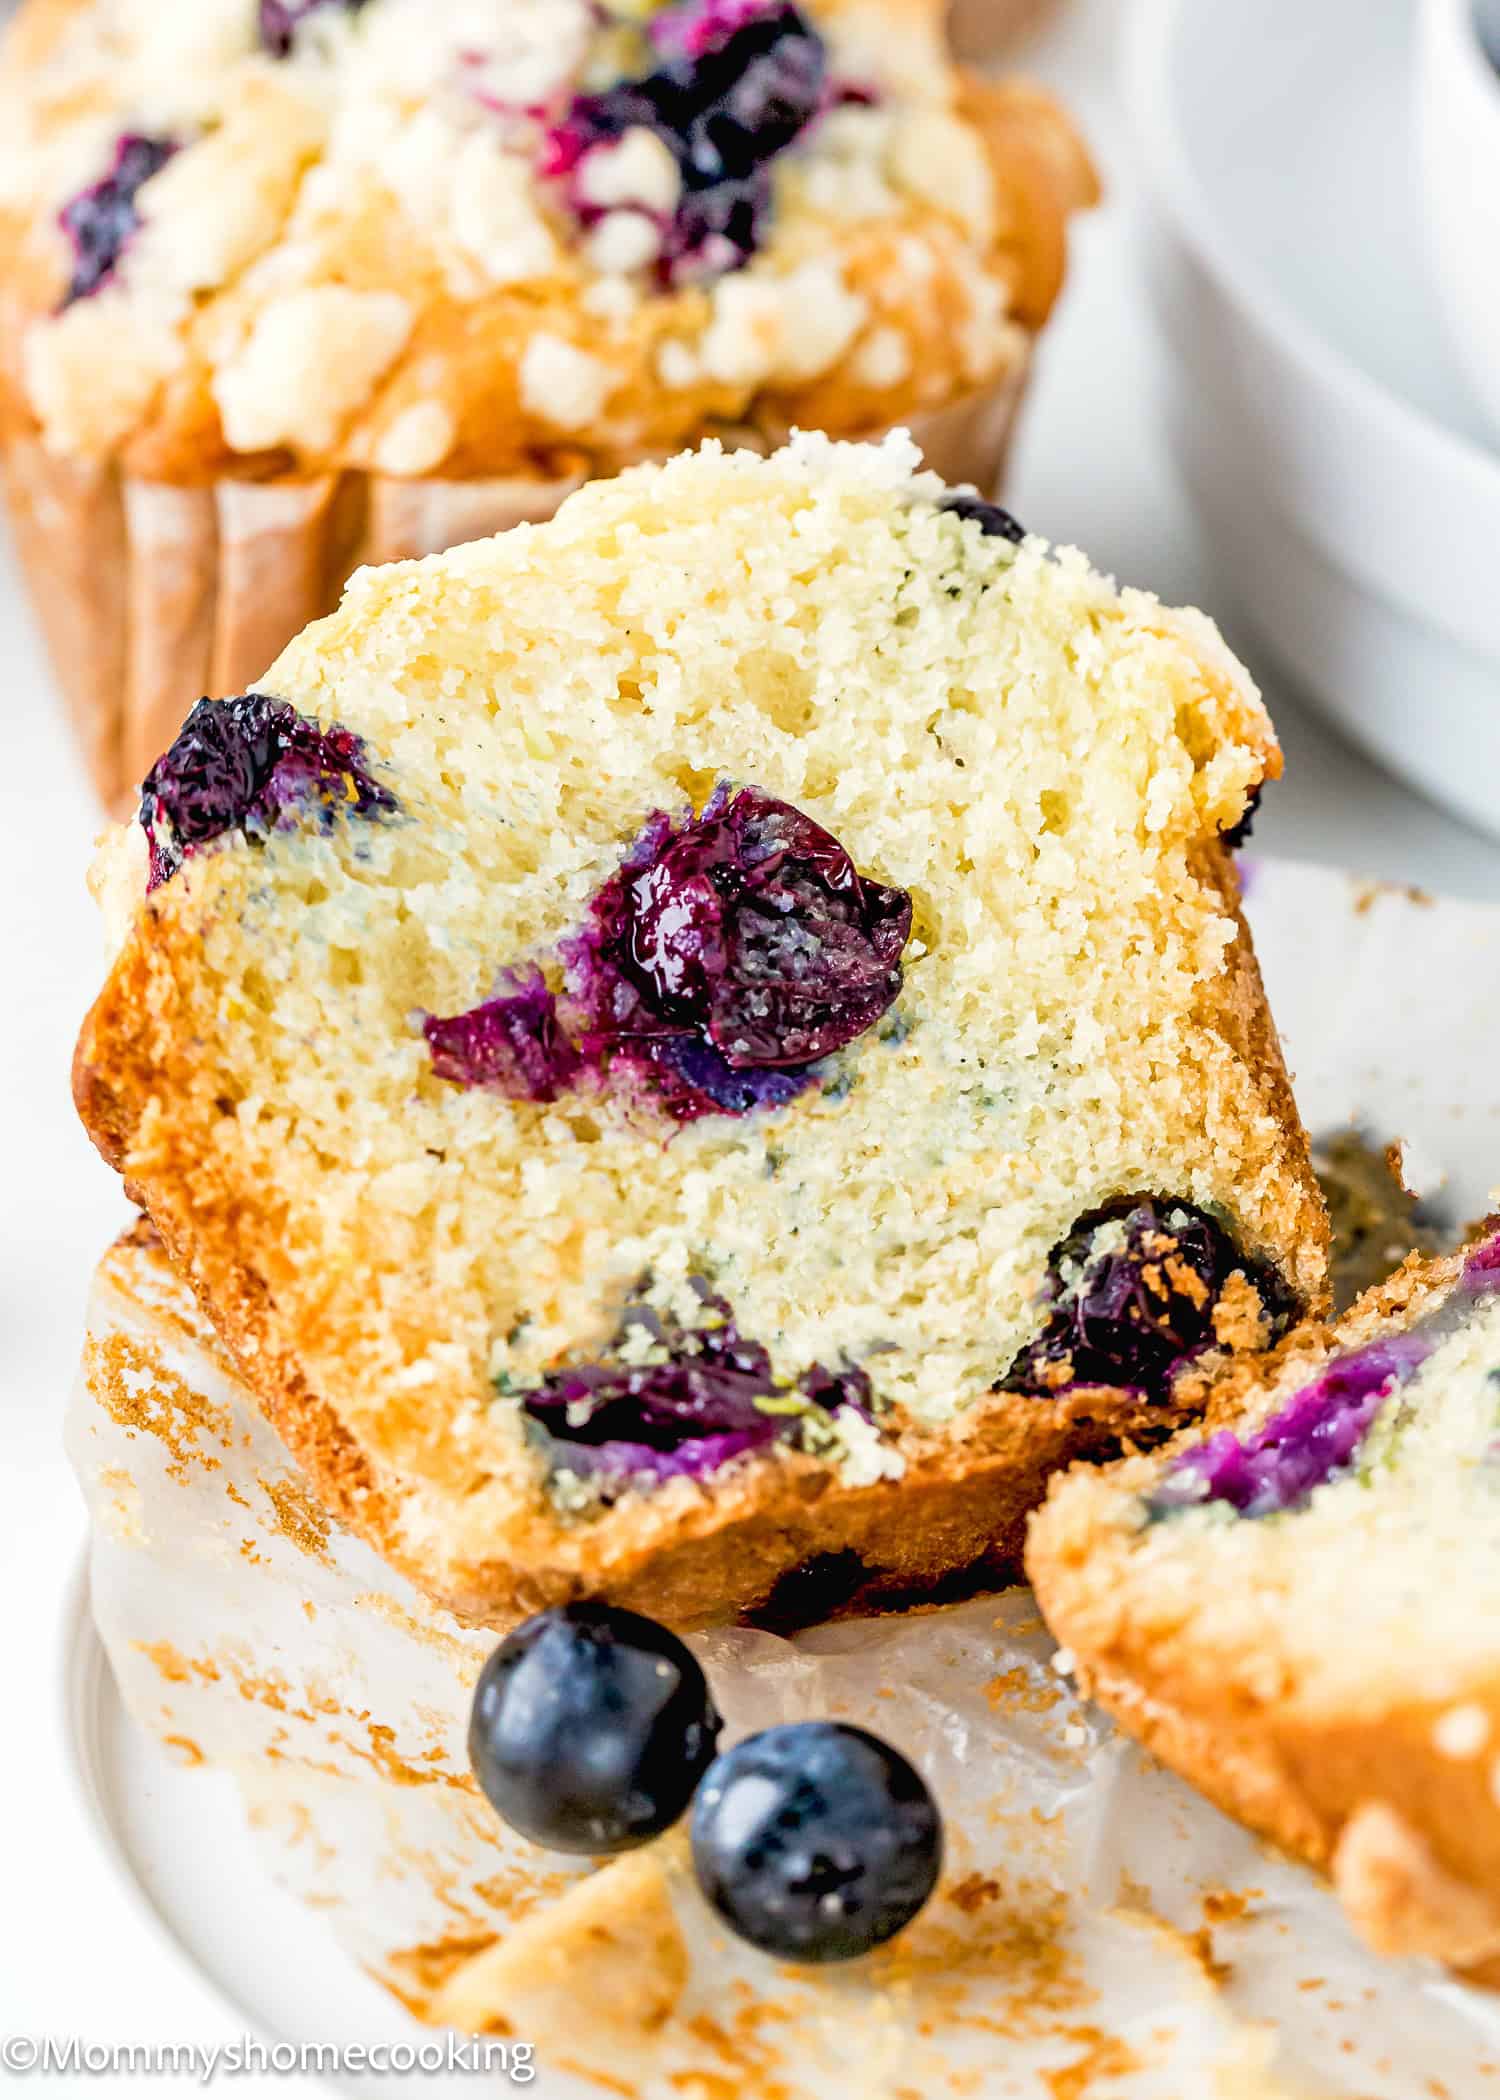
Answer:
[(981, 29), (150, 595)]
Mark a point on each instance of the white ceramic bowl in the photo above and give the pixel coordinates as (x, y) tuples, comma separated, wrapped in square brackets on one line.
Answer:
[(1459, 135), (1332, 453)]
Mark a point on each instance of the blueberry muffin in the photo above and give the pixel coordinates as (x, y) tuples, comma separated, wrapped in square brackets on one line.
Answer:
[(288, 285), (711, 1040), (1292, 1608)]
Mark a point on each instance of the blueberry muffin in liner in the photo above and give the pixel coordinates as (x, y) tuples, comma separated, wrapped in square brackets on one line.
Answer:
[(292, 285), (709, 1043), (1291, 1603)]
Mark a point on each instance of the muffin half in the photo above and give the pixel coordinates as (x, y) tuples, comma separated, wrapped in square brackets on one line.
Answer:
[(712, 1037), (1294, 1609)]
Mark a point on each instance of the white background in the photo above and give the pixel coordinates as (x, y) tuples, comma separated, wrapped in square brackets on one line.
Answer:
[(75, 1956)]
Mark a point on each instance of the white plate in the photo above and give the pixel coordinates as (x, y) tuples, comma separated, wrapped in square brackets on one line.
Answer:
[(1336, 462)]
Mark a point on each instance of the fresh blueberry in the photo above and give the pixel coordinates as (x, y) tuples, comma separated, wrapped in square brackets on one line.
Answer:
[(671, 1399), (590, 1729), (279, 20), (816, 1841), (736, 83), (100, 220), (250, 764), (747, 930), (1132, 1292), (993, 522)]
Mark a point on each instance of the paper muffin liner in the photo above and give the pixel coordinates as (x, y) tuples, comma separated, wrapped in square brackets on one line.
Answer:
[(151, 595), (980, 29)]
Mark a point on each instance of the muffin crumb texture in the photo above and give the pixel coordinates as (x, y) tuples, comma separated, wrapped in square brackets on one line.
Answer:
[(746, 965)]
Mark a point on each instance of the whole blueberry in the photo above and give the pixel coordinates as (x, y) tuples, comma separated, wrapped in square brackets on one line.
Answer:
[(816, 1841), (590, 1729), (994, 522)]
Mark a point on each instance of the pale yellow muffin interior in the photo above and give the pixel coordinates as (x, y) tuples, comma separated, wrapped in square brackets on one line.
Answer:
[(1041, 760)]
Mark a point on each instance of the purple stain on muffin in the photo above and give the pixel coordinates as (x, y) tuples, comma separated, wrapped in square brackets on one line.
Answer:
[(251, 765), (1481, 1270), (514, 1042), (1318, 1434), (745, 932), (1132, 1296), (736, 82), (1315, 1436), (673, 1399), (101, 220), (281, 19), (690, 1078)]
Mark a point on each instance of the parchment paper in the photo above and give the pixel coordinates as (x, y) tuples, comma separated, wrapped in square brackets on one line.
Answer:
[(1099, 1929)]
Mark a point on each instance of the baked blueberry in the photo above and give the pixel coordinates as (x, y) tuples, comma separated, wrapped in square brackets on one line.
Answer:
[(251, 764), (1305, 1444), (734, 86), (673, 1399), (747, 929), (1318, 1433), (1133, 1290), (815, 1841), (514, 1042), (100, 220), (590, 1729)]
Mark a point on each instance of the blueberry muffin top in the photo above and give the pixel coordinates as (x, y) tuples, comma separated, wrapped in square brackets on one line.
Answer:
[(471, 238)]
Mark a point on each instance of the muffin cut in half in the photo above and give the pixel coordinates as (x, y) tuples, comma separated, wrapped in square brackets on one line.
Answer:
[(711, 1037), (290, 285), (1294, 1609)]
